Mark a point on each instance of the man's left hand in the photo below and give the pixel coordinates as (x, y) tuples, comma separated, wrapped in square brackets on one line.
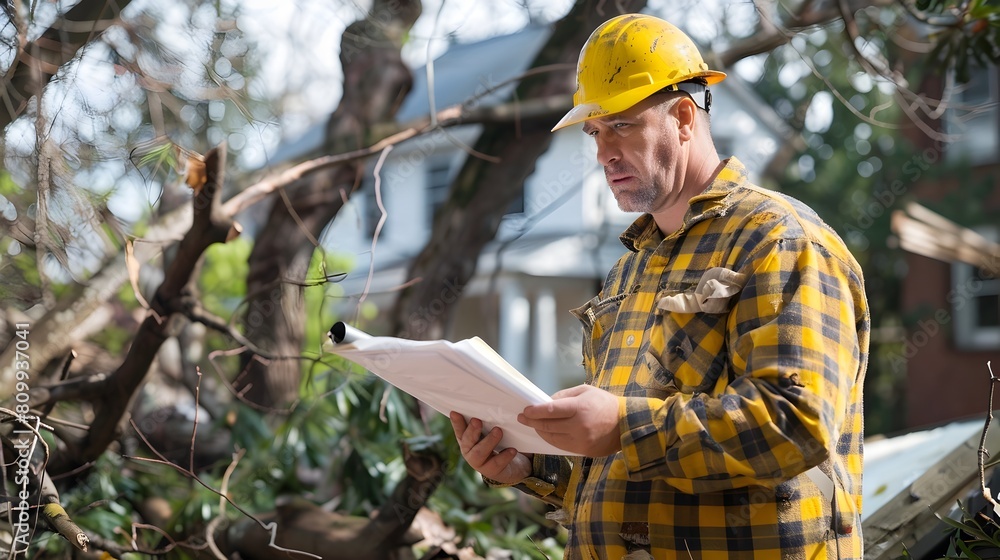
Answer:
[(581, 419)]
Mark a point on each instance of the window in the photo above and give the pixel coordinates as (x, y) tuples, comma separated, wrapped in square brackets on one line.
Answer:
[(439, 178), (974, 118), (976, 300), (438, 185)]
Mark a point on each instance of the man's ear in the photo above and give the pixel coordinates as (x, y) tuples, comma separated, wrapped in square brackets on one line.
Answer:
[(686, 113)]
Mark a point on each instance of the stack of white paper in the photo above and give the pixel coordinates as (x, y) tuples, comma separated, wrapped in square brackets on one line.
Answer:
[(468, 377)]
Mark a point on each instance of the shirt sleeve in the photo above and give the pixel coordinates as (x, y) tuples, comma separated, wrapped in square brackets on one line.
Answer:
[(548, 481), (794, 356)]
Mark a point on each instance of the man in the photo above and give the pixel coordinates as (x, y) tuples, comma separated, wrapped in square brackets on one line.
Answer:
[(725, 355)]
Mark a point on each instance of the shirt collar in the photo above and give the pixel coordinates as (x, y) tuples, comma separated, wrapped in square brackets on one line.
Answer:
[(714, 200)]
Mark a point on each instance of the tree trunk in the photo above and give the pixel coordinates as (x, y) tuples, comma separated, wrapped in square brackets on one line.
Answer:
[(482, 191), (375, 82)]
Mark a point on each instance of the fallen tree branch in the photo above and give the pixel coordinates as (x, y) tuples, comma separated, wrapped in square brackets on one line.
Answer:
[(212, 222), (210, 225), (36, 481), (50, 336), (161, 460), (61, 522)]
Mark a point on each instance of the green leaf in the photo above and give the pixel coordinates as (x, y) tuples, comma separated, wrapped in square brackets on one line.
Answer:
[(967, 551), (980, 9)]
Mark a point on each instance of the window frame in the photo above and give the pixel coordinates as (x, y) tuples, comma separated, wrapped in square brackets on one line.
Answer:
[(969, 146), (965, 289)]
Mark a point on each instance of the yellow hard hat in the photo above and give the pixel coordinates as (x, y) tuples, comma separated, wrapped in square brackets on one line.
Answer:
[(627, 59)]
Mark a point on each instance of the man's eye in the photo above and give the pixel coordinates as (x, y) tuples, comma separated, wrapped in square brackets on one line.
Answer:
[(620, 125)]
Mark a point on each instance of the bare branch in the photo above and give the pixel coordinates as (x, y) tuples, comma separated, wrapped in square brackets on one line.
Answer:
[(67, 362), (200, 315), (61, 522), (270, 527), (378, 228), (56, 46), (874, 67), (117, 551), (224, 490), (982, 443), (239, 394)]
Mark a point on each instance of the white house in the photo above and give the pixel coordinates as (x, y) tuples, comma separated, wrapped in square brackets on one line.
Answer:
[(553, 249)]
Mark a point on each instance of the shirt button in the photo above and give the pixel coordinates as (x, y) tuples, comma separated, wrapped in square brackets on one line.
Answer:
[(630, 340)]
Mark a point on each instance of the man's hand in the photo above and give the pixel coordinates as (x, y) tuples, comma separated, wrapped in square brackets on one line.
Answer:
[(507, 466), (581, 419)]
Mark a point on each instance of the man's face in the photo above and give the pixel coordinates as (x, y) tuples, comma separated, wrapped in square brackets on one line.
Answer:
[(639, 149)]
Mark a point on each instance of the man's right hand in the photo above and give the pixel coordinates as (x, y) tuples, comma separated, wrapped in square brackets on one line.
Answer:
[(507, 466)]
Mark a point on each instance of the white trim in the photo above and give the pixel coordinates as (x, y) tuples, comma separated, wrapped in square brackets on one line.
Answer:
[(965, 289)]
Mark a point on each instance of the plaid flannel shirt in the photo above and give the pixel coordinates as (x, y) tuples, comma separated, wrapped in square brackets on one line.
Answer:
[(740, 397)]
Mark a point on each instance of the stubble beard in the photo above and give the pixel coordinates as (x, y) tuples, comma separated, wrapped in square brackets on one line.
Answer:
[(636, 198)]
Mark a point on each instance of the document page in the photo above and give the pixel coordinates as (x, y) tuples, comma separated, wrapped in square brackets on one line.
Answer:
[(468, 377)]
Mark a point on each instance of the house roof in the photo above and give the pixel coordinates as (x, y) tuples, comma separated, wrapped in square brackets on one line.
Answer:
[(464, 70), (911, 479), (469, 72), (470, 69), (892, 464)]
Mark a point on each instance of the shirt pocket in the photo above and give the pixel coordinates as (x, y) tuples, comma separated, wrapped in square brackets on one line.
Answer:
[(652, 379), (688, 339), (598, 317)]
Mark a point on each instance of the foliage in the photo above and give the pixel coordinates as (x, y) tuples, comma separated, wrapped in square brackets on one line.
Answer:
[(860, 160), (223, 279), (321, 294), (129, 110), (846, 159), (970, 40), (976, 535), (342, 446)]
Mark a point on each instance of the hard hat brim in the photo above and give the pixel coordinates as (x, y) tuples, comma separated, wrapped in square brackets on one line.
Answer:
[(623, 101)]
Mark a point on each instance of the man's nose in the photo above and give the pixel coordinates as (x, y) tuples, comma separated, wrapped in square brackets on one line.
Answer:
[(607, 152)]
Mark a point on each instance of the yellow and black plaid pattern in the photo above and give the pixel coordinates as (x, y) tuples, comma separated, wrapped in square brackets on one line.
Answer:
[(723, 413)]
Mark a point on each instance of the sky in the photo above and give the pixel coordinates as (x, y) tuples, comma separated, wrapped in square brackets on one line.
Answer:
[(300, 42), (296, 44), (301, 39)]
